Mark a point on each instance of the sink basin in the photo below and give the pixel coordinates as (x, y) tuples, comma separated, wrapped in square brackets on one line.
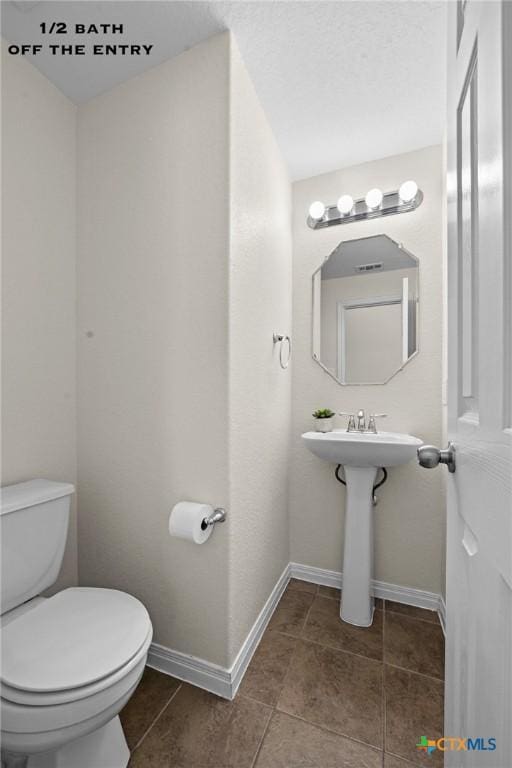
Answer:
[(361, 454), (362, 449)]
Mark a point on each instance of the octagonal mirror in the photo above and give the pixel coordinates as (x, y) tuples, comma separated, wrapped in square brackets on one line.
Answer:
[(365, 310)]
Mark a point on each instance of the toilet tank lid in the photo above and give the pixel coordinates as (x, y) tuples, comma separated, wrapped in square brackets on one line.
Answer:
[(23, 495)]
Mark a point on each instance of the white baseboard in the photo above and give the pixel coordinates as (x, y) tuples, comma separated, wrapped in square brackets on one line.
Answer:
[(316, 575), (219, 680), (407, 595), (224, 681), (190, 669), (252, 640), (442, 613)]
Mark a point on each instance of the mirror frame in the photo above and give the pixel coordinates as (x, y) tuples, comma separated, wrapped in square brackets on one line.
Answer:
[(418, 317)]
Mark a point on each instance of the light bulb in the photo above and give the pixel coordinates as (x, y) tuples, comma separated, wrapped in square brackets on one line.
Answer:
[(317, 210), (373, 198), (345, 204), (408, 191)]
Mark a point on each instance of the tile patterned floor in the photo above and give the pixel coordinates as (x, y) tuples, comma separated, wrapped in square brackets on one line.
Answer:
[(318, 693)]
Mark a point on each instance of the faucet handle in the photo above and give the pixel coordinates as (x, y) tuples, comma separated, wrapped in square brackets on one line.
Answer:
[(371, 421), (351, 420)]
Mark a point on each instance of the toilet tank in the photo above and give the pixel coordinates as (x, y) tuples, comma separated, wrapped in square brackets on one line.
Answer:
[(34, 520)]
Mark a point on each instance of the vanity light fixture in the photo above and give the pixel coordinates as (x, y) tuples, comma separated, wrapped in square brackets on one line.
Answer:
[(317, 210), (408, 191), (374, 204), (373, 199), (345, 204)]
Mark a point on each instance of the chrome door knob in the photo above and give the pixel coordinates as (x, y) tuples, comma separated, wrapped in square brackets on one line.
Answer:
[(429, 456)]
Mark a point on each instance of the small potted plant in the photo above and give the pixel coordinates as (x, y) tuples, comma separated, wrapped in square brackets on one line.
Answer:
[(323, 419)]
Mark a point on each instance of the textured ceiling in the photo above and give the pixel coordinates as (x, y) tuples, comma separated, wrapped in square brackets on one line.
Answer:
[(341, 82)]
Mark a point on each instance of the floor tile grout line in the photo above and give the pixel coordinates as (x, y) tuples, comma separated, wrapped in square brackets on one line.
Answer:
[(278, 694), (267, 726), (295, 639), (335, 648), (287, 673), (286, 634), (307, 614), (415, 618), (414, 672), (156, 719), (287, 670), (256, 701), (328, 730), (360, 655), (295, 591), (344, 650)]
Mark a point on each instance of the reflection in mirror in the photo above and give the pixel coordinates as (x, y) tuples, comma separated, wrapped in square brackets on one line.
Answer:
[(365, 310)]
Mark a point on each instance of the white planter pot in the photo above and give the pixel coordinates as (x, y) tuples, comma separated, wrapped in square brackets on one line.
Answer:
[(323, 425)]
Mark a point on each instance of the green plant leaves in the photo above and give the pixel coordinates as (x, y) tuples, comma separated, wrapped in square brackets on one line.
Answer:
[(323, 413)]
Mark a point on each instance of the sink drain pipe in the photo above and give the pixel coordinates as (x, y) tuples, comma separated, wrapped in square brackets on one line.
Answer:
[(377, 485)]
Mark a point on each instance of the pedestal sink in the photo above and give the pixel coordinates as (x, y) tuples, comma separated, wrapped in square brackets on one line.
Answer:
[(361, 454)]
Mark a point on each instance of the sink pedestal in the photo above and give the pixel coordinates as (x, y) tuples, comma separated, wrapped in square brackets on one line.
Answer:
[(360, 453), (357, 602)]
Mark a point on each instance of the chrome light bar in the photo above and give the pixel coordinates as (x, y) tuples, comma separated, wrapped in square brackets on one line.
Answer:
[(391, 204)]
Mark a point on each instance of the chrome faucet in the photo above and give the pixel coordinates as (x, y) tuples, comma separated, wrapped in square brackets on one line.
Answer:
[(361, 421)]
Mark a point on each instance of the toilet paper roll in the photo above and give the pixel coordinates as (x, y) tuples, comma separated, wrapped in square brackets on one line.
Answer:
[(185, 521)]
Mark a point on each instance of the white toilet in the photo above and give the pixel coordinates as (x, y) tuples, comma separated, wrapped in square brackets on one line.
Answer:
[(69, 662)]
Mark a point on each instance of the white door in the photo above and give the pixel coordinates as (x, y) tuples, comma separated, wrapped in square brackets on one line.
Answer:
[(479, 547)]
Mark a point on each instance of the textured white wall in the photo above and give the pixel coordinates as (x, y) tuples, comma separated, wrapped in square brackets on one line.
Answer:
[(409, 533), (153, 385), (259, 390), (38, 284), (180, 391)]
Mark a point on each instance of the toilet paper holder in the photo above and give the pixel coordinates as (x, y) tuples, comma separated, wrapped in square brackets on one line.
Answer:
[(217, 516)]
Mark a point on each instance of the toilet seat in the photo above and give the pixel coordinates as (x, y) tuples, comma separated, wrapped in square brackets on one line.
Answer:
[(31, 699), (73, 645)]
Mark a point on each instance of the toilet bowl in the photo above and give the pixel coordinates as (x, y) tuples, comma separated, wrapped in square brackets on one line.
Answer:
[(70, 663), (69, 666)]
